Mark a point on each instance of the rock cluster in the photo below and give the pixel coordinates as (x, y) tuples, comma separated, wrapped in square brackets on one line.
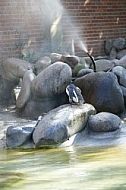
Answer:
[(116, 48), (66, 125), (43, 93), (102, 90)]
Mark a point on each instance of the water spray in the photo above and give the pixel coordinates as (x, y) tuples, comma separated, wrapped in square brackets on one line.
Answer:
[(73, 49), (84, 47)]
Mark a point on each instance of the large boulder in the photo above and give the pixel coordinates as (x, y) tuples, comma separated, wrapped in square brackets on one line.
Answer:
[(120, 72), (116, 48), (104, 122), (42, 64), (8, 92), (108, 46), (122, 62), (89, 138), (103, 65), (119, 43), (12, 69), (124, 93), (102, 90), (83, 72), (44, 92), (61, 123), (72, 61), (121, 53), (55, 57), (25, 92), (36, 107), (52, 80), (19, 135), (113, 53)]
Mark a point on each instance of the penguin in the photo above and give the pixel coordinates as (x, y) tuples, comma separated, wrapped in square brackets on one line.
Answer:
[(74, 93)]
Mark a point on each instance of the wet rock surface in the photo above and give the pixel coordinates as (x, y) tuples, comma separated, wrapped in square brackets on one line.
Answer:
[(8, 117), (45, 94), (61, 123), (51, 81), (104, 122), (91, 139), (102, 90), (19, 135), (115, 48)]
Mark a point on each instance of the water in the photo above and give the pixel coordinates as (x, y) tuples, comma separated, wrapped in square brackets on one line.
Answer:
[(83, 46), (71, 168), (63, 169)]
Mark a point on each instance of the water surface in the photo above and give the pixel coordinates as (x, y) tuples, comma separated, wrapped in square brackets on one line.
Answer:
[(72, 168), (69, 168)]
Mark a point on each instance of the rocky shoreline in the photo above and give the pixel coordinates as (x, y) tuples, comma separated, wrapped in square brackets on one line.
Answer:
[(100, 82), (8, 117)]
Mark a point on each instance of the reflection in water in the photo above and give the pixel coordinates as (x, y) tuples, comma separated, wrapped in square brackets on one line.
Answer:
[(63, 169)]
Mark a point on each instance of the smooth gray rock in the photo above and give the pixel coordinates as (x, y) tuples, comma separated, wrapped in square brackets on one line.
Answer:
[(116, 62), (42, 64), (108, 46), (120, 72), (102, 90), (119, 43), (18, 135), (7, 93), (61, 123), (37, 107), (52, 80), (87, 138), (103, 65), (113, 53), (122, 62), (123, 90), (104, 122), (124, 93), (71, 60), (25, 92), (12, 69), (121, 53), (55, 57), (83, 72)]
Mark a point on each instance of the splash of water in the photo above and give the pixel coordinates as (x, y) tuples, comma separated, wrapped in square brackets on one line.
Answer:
[(53, 31), (83, 46)]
